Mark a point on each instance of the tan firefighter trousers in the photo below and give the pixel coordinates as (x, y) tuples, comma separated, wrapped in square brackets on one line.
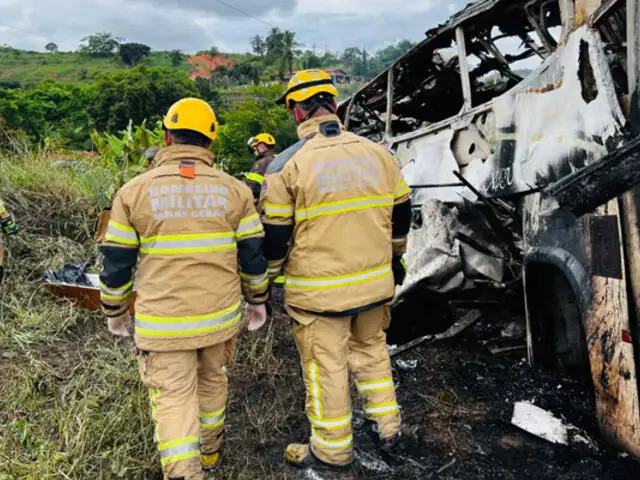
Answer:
[(188, 393), (328, 348)]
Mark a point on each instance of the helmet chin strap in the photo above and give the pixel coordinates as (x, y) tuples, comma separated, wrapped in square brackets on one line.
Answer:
[(302, 117)]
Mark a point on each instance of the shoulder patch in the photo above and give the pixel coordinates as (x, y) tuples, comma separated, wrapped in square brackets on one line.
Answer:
[(283, 157)]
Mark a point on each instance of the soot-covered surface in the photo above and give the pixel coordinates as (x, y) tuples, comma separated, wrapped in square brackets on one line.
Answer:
[(457, 401)]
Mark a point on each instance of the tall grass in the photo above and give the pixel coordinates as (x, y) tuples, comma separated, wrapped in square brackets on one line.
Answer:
[(71, 403)]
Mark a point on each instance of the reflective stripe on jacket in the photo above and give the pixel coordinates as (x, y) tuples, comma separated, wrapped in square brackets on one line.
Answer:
[(255, 178), (336, 200), (199, 241)]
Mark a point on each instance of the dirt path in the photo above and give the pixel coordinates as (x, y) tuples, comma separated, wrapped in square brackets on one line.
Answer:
[(457, 395)]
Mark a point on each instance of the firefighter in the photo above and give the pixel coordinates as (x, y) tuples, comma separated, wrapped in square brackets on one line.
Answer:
[(191, 225), (263, 146), (343, 204), (9, 227)]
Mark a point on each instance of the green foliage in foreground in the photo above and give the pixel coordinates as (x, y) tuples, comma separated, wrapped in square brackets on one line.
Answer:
[(72, 406)]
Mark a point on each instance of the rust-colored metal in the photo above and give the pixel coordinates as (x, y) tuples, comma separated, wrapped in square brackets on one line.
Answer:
[(82, 296), (613, 367), (103, 223)]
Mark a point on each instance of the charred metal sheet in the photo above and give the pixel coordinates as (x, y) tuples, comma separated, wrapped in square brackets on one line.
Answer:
[(596, 184), (606, 260)]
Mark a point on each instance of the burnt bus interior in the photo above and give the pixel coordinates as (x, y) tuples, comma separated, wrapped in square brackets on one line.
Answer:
[(427, 90), (427, 83)]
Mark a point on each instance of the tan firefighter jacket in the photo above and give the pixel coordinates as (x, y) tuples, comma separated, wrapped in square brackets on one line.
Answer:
[(255, 178), (343, 202), (193, 227)]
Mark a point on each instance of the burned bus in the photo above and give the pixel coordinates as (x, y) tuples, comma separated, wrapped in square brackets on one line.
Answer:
[(500, 119)]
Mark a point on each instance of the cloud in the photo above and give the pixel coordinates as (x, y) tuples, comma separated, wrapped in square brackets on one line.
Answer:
[(192, 25)]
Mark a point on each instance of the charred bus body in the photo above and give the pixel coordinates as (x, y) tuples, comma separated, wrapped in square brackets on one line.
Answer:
[(497, 158)]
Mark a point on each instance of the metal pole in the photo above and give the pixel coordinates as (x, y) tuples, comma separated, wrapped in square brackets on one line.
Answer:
[(633, 63), (464, 68), (388, 131)]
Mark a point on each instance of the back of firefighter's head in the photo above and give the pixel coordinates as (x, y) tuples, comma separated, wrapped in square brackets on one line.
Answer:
[(262, 144), (310, 93), (190, 121)]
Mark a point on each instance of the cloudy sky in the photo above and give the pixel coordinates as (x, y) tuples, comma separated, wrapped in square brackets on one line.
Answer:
[(192, 25)]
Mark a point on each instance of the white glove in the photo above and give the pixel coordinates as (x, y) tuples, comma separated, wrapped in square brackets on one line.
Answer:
[(256, 316), (120, 326)]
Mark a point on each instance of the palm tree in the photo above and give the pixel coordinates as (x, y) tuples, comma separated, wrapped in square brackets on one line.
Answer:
[(290, 49), (274, 43)]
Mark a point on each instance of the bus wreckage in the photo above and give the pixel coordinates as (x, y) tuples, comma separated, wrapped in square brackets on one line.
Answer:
[(525, 179)]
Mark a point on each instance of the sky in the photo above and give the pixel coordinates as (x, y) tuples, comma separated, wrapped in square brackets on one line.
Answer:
[(192, 25)]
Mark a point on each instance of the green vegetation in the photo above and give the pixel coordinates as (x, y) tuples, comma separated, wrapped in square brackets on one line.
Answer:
[(71, 403), (110, 85)]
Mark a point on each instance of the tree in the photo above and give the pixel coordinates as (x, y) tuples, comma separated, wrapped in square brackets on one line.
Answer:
[(258, 46), (176, 57), (51, 47), (289, 49), (309, 60), (351, 58), (257, 113), (100, 45), (133, 53), (137, 94), (275, 44)]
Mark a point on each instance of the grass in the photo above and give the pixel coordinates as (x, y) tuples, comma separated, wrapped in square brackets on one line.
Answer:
[(71, 402), (30, 68)]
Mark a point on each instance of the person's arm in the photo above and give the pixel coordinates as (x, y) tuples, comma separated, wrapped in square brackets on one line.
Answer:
[(401, 222), (278, 220), (253, 266), (8, 225), (120, 252), (255, 178)]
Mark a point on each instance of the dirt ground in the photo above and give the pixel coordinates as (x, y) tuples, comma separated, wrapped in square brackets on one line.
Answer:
[(457, 401)]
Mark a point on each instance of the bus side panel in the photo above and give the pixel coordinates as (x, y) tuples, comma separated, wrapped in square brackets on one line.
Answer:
[(595, 241)]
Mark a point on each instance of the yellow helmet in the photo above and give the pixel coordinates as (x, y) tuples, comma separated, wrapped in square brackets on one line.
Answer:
[(192, 114), (306, 84), (265, 138)]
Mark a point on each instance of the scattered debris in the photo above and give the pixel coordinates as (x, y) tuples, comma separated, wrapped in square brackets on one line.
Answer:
[(371, 463), (516, 329), (311, 475), (442, 469), (465, 322), (69, 274), (540, 423), (407, 364)]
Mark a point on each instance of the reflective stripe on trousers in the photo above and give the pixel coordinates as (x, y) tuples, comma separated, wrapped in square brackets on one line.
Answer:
[(309, 283), (375, 385), (181, 449), (185, 326), (188, 243), (381, 409), (210, 421)]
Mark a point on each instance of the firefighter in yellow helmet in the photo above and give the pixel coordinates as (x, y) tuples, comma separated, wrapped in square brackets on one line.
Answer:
[(193, 227), (342, 205), (9, 227), (263, 146)]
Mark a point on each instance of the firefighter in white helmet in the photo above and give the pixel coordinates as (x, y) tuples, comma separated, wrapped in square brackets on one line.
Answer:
[(338, 211), (193, 227)]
